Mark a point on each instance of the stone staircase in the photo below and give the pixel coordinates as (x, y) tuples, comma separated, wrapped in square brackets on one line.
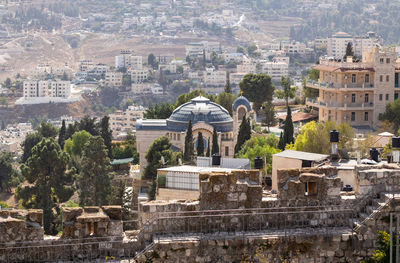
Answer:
[(372, 210)]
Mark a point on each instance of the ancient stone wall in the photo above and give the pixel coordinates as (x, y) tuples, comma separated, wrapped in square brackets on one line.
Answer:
[(373, 179), (81, 222), (21, 225)]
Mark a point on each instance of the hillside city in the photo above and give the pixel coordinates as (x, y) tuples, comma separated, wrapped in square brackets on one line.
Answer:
[(199, 131)]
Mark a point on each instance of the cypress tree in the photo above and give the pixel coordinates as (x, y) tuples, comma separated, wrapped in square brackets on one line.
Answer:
[(208, 148), (200, 145), (288, 128), (349, 51), (228, 88), (106, 134), (215, 147), (189, 145), (61, 135), (244, 134), (281, 143)]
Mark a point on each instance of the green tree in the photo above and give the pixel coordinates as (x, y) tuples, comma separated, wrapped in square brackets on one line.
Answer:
[(161, 147), (163, 111), (309, 92), (288, 129), (45, 173), (200, 145), (61, 135), (288, 92), (208, 148), (313, 74), (349, 51), (251, 49), (106, 134), (240, 49), (6, 171), (8, 83), (152, 61), (382, 254), (126, 80), (314, 137), (260, 146), (188, 152), (392, 114), (47, 130), (228, 88), (226, 100), (281, 143), (215, 146), (30, 141), (258, 88), (244, 134), (88, 124), (76, 144), (269, 114), (94, 180)]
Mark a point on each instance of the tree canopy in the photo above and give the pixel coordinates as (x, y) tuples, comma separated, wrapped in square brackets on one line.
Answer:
[(287, 92), (244, 134), (257, 88), (392, 114), (260, 146)]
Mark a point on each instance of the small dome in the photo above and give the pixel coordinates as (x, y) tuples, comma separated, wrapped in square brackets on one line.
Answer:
[(241, 101), (200, 109)]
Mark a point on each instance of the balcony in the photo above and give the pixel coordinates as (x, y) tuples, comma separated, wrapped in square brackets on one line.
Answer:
[(336, 86), (340, 106)]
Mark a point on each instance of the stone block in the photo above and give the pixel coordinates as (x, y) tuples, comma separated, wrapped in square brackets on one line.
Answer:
[(71, 213), (114, 212)]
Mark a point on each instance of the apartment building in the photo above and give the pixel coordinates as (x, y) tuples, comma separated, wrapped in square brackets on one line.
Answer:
[(197, 49), (85, 65), (139, 75), (276, 70), (337, 44), (215, 77), (246, 68), (113, 79), (47, 88), (293, 47), (127, 60), (356, 92), (125, 121)]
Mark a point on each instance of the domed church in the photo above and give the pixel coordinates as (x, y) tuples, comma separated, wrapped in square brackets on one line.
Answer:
[(205, 115)]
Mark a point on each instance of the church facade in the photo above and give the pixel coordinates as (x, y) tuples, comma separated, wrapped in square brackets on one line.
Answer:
[(205, 115)]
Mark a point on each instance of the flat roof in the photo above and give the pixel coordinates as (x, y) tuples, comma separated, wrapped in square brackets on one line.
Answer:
[(196, 169), (306, 156), (121, 161)]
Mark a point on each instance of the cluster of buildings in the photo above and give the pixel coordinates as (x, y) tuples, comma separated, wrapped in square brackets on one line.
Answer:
[(12, 137), (123, 122)]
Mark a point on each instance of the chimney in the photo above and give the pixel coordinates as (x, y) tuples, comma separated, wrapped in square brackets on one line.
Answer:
[(334, 139)]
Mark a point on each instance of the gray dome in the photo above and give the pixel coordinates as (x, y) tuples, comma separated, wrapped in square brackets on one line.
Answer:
[(241, 101), (200, 109)]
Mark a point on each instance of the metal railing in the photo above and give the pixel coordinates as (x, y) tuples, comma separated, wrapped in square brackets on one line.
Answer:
[(344, 86)]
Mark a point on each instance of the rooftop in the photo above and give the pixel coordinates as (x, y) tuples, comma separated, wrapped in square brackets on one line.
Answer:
[(306, 156)]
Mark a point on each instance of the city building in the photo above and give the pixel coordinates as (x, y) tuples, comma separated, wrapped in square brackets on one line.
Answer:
[(139, 75), (47, 88), (127, 60), (214, 77), (356, 92), (293, 47), (276, 70), (337, 44), (125, 121), (113, 79), (205, 115)]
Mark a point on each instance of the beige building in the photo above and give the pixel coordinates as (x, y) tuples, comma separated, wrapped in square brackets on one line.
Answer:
[(215, 78), (113, 79), (276, 70), (125, 121), (337, 44), (356, 92), (47, 88), (139, 76), (205, 115)]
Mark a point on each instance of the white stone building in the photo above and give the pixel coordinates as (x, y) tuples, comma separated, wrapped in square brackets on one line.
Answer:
[(276, 70), (47, 88), (113, 79)]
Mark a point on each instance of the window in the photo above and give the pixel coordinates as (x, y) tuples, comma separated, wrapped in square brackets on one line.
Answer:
[(353, 78), (367, 78), (353, 98), (365, 116), (174, 136), (179, 137), (226, 151), (387, 78), (382, 60), (353, 116), (380, 96), (381, 78), (310, 188), (388, 61), (396, 96), (366, 99), (387, 96)]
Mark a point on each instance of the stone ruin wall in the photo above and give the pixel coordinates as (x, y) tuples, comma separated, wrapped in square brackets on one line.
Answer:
[(21, 225)]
